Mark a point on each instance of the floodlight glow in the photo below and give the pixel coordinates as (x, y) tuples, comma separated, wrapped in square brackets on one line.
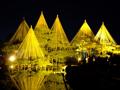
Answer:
[(93, 59), (77, 50), (11, 67), (12, 58), (86, 60), (79, 59)]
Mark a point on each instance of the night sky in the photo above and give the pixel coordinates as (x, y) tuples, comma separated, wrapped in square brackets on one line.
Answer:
[(72, 13)]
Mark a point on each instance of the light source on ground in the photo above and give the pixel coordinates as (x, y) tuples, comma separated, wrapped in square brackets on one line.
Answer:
[(11, 67), (93, 59), (12, 58), (87, 59), (79, 59)]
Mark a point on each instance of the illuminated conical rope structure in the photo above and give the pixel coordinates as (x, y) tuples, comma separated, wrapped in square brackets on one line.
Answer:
[(83, 40), (20, 33), (30, 67), (84, 34), (59, 38), (105, 40), (41, 22), (42, 33), (29, 48), (103, 36), (58, 43), (17, 38)]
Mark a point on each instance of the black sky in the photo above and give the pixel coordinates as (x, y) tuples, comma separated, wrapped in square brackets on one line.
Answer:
[(71, 12)]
